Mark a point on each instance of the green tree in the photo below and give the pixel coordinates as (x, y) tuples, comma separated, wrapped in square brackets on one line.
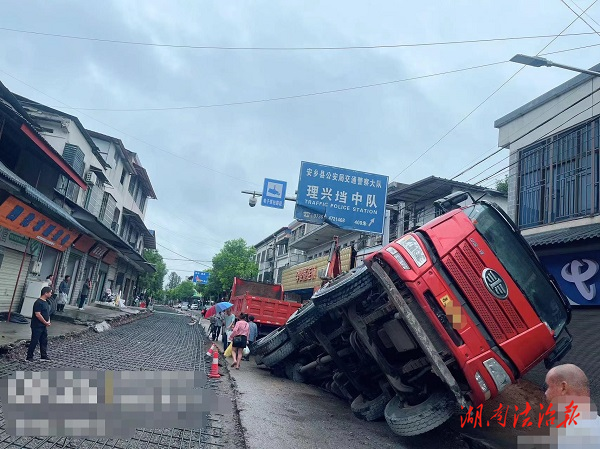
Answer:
[(502, 186), (183, 291), (152, 283), (174, 281), (236, 259)]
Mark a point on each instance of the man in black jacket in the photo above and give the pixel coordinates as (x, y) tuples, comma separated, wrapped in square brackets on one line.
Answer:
[(40, 321)]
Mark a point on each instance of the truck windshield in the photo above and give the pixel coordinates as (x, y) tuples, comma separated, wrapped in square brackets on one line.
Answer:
[(510, 249)]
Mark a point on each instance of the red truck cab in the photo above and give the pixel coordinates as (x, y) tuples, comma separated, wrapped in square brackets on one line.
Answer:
[(486, 294)]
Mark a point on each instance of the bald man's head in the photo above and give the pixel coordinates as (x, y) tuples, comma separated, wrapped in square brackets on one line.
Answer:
[(566, 380)]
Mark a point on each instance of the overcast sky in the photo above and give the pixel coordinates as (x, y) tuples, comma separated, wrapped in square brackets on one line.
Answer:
[(200, 159)]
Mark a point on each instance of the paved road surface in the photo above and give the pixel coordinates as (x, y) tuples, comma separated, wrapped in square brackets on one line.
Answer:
[(159, 342)]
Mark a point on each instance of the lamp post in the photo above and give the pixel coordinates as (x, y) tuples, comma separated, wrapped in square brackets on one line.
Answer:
[(537, 61)]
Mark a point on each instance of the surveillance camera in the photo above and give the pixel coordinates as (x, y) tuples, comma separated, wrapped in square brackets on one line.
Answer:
[(252, 201)]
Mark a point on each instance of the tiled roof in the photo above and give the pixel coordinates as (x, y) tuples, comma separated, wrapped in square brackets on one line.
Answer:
[(567, 235)]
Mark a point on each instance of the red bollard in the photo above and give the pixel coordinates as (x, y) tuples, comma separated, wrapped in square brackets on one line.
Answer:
[(214, 369)]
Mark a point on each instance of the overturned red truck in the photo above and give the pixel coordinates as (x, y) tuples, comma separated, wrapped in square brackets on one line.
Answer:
[(263, 301), (449, 314)]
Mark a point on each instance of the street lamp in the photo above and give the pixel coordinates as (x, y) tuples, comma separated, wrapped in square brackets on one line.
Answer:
[(537, 61)]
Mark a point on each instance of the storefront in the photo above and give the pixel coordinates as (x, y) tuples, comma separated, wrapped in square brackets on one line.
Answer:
[(300, 281), (572, 257), (27, 236)]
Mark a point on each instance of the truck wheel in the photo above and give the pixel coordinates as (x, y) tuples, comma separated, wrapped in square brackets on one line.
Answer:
[(344, 289), (305, 318), (272, 341), (279, 355), (370, 410), (407, 420)]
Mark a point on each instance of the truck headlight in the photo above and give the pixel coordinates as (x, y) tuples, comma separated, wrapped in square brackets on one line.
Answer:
[(498, 373), (394, 252), (484, 388), (412, 247)]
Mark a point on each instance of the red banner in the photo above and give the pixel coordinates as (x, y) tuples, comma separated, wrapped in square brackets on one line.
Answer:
[(23, 219)]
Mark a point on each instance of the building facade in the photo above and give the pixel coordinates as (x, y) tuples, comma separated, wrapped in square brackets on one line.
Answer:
[(554, 179), (57, 183)]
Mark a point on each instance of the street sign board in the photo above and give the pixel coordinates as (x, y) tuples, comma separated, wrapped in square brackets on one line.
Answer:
[(201, 277), (344, 198), (273, 193)]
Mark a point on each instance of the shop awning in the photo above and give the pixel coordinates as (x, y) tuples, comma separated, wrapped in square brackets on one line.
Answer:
[(137, 220), (97, 227), (564, 236)]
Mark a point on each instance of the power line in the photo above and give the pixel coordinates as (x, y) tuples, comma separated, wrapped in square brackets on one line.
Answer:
[(305, 48), (579, 17), (311, 94), (487, 98), (545, 135), (130, 135), (181, 255), (291, 97)]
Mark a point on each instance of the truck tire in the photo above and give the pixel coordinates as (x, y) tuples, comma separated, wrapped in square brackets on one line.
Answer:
[(305, 318), (344, 289), (279, 354), (407, 420), (370, 410), (271, 341)]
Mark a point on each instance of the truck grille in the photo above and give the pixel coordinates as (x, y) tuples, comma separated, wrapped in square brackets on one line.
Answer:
[(499, 317)]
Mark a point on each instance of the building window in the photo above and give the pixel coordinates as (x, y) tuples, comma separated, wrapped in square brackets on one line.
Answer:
[(558, 178), (103, 206), (131, 184), (123, 174)]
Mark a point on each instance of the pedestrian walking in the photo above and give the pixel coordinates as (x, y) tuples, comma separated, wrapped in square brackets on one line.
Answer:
[(216, 323), (85, 291), (63, 293), (239, 339), (228, 322), (40, 321), (251, 335)]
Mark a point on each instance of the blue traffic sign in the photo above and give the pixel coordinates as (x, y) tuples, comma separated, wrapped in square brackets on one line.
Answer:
[(273, 193), (201, 277), (340, 197)]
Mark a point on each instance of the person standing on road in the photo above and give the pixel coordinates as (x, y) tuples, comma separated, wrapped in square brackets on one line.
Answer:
[(40, 321), (228, 322), (251, 335), (63, 293), (85, 291), (239, 338)]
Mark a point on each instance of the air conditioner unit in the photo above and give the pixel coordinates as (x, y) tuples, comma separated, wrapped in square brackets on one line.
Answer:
[(91, 178)]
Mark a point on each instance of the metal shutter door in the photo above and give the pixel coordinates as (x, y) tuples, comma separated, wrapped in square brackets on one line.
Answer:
[(9, 270)]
